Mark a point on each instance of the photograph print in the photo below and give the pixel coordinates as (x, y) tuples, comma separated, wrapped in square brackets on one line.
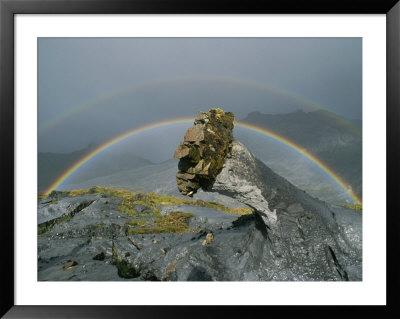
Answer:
[(199, 159)]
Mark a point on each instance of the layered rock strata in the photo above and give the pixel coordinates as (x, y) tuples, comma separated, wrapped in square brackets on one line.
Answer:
[(204, 150)]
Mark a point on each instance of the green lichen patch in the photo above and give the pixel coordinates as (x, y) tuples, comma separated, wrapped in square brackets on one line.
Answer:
[(125, 270), (48, 226)]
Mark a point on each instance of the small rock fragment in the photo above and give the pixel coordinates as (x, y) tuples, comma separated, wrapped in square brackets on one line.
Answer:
[(170, 270), (208, 240), (69, 264)]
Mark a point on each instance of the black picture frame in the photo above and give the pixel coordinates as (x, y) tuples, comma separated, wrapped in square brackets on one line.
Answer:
[(8, 8)]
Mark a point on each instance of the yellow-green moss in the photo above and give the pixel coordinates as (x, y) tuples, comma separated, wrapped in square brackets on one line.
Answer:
[(42, 229), (101, 225), (41, 196), (136, 223), (220, 207), (48, 226), (124, 269), (96, 190), (153, 201), (175, 223), (127, 207), (357, 207)]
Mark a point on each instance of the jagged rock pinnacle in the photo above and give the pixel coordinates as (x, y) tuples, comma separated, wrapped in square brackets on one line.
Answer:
[(204, 150)]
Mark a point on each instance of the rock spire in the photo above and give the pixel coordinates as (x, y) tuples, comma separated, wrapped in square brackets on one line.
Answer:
[(204, 150)]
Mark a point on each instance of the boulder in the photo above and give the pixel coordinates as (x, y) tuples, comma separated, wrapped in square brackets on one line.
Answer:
[(204, 150)]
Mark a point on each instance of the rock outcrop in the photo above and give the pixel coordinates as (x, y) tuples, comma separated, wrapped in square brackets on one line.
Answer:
[(204, 150), (305, 237), (290, 237)]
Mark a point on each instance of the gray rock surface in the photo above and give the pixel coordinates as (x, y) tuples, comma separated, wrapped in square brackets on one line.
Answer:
[(314, 239), (290, 237), (65, 207)]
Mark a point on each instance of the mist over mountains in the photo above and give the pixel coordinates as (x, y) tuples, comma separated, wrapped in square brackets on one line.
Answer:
[(111, 85), (334, 140), (53, 165)]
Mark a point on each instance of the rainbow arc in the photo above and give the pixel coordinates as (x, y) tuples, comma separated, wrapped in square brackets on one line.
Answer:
[(217, 79), (252, 127)]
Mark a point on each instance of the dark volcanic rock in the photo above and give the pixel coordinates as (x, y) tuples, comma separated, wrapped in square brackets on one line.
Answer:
[(204, 149)]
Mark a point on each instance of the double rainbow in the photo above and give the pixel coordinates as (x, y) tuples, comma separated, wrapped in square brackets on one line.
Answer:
[(252, 127), (216, 79)]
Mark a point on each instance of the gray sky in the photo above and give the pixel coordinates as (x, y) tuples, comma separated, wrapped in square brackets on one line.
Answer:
[(91, 90)]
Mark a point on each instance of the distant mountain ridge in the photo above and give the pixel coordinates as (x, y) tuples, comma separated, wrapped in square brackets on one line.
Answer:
[(312, 130), (52, 165), (336, 141)]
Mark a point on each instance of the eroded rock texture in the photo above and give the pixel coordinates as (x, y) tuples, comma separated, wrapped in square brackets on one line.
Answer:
[(204, 150), (305, 238)]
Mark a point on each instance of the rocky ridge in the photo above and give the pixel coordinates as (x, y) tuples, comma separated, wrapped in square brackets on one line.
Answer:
[(305, 237)]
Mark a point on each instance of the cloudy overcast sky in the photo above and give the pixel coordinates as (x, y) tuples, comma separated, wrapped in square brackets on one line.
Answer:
[(91, 90)]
